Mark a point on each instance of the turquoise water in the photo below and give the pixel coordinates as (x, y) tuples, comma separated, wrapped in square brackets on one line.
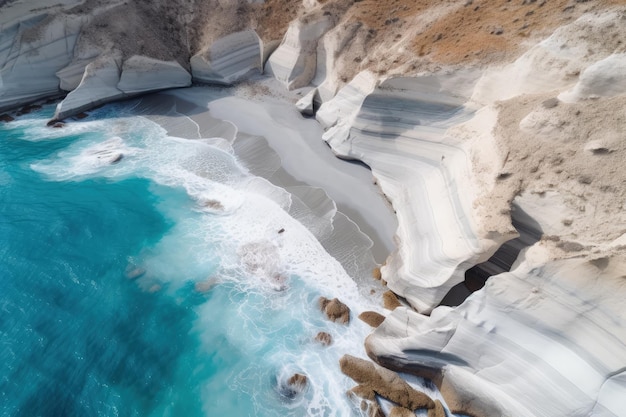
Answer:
[(157, 285)]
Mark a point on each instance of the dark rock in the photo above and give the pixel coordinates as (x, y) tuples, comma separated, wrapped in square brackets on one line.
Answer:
[(58, 125), (390, 301), (335, 310), (295, 385), (384, 382), (6, 118), (213, 204), (324, 338), (27, 109), (372, 318), (117, 158), (81, 115)]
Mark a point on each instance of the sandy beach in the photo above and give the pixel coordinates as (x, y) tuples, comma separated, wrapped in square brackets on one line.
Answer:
[(263, 126)]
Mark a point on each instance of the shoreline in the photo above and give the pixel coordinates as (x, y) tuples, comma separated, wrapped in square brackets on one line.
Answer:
[(304, 158)]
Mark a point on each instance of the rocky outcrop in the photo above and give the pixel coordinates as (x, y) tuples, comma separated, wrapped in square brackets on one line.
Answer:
[(141, 74), (454, 151), (98, 86), (229, 59), (398, 129), (294, 61), (295, 385), (31, 52), (383, 382), (106, 79), (541, 325)]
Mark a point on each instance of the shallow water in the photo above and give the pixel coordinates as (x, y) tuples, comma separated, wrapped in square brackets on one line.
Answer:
[(144, 275)]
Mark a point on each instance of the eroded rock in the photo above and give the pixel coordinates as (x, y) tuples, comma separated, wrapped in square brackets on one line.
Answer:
[(438, 411), (324, 338), (390, 301), (384, 382), (295, 385), (372, 318), (335, 310)]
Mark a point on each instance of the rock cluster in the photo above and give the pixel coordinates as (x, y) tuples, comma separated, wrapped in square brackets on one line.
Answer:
[(376, 380)]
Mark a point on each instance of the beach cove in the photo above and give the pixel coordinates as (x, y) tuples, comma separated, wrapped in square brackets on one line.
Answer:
[(327, 207)]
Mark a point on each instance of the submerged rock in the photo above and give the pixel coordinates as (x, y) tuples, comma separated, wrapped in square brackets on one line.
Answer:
[(134, 272), (335, 310), (324, 338), (295, 385)]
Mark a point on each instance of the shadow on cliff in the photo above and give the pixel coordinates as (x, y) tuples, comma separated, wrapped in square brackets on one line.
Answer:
[(501, 261)]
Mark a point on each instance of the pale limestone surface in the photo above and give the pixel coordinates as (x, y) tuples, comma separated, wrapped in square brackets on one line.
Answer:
[(141, 74), (294, 62), (31, 52), (229, 59), (98, 85)]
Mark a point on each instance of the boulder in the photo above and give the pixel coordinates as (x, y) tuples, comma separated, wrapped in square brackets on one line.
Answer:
[(324, 338), (335, 310), (384, 382), (295, 385), (390, 301), (372, 318)]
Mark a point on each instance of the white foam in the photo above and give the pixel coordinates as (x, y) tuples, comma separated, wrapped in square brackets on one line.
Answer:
[(244, 220)]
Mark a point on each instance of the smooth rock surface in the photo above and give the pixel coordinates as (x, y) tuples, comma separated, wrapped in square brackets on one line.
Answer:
[(541, 325), (142, 74), (294, 61), (98, 85), (229, 59), (31, 52), (398, 129)]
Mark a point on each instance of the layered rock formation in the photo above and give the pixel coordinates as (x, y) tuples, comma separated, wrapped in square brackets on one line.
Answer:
[(463, 110)]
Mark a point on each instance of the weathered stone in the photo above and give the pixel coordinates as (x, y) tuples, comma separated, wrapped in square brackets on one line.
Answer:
[(6, 118), (298, 381), (402, 412), (437, 411), (335, 310), (390, 301), (295, 385), (324, 338), (372, 318), (376, 273), (364, 392), (384, 382)]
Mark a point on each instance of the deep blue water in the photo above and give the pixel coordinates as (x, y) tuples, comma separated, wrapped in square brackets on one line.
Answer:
[(77, 338), (121, 296)]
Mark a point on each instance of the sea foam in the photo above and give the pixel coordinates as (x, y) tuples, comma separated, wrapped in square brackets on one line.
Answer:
[(257, 270)]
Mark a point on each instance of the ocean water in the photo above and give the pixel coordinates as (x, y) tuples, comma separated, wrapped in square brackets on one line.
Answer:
[(148, 275)]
